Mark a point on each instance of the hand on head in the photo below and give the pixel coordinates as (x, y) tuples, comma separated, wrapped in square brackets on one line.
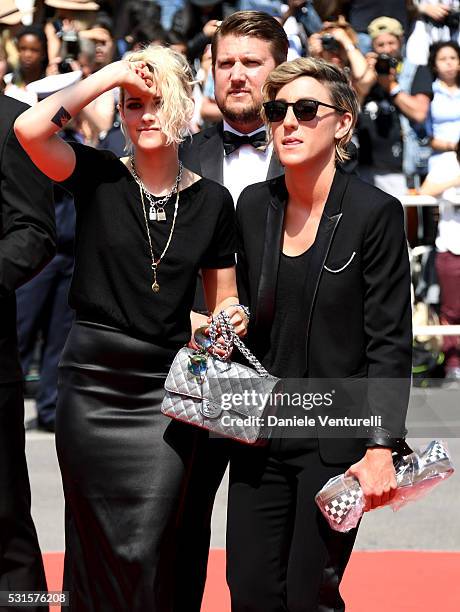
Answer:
[(136, 78)]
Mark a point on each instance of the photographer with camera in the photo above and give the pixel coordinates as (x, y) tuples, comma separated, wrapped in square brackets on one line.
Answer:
[(70, 16), (337, 43), (87, 51), (392, 137)]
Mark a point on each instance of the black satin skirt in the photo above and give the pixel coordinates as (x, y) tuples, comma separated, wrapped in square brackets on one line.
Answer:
[(124, 467)]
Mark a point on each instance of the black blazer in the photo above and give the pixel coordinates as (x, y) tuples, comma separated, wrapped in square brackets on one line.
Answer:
[(27, 230), (204, 155), (358, 306)]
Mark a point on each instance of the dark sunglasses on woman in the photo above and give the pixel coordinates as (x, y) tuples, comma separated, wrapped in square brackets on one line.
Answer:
[(304, 110)]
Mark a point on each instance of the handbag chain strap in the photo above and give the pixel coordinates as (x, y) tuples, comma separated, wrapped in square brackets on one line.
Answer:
[(222, 326)]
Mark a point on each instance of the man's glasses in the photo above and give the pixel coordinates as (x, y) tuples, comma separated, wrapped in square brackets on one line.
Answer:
[(304, 110)]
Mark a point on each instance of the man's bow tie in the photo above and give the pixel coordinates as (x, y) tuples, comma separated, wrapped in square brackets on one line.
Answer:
[(233, 141)]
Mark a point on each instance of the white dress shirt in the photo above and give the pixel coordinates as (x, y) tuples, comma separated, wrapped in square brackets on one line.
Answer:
[(245, 166)]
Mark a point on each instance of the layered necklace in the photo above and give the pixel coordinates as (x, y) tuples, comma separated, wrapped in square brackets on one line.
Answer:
[(155, 209)]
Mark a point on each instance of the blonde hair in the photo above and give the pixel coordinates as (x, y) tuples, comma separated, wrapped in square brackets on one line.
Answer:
[(334, 78), (173, 76)]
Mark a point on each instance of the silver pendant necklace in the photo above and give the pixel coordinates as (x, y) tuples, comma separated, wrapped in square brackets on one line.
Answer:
[(155, 263), (157, 207)]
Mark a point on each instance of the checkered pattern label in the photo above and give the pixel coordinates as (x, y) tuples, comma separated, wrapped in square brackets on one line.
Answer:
[(338, 508), (434, 452)]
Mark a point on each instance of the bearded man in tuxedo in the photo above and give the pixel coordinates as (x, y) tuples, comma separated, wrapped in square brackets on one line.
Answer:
[(235, 153)]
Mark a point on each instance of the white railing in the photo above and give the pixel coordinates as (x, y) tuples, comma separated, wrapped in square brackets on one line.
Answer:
[(436, 330), (426, 200)]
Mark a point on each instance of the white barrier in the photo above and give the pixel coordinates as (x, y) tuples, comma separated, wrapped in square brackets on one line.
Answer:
[(426, 200), (436, 330), (418, 200)]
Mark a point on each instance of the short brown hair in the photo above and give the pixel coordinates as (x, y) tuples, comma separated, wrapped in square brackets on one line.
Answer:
[(334, 78), (256, 24)]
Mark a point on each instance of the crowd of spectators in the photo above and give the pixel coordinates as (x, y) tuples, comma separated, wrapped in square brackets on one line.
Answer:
[(382, 54), (403, 59)]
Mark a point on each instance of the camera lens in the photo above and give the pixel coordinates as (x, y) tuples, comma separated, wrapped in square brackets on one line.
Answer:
[(329, 43), (385, 63), (65, 66)]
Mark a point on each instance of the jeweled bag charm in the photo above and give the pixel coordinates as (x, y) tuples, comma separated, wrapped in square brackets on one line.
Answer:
[(202, 339), (198, 365)]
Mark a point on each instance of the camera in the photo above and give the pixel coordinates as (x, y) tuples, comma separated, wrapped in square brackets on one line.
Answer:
[(452, 20), (385, 63), (329, 43), (70, 50)]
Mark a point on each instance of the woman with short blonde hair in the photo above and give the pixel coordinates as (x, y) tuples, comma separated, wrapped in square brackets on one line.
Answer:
[(145, 227), (172, 72), (333, 77), (323, 268)]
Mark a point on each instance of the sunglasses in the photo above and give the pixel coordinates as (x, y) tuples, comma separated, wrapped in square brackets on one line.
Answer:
[(304, 110)]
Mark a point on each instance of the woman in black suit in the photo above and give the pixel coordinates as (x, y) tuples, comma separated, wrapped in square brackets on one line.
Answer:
[(323, 266)]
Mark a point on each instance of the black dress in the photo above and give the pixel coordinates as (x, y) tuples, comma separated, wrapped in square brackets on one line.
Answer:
[(123, 463)]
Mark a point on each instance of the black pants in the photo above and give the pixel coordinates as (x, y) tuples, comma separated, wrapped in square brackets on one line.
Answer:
[(21, 565), (42, 306), (281, 554), (210, 461)]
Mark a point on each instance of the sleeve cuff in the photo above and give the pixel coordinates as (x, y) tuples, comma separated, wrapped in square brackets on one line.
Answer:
[(381, 437)]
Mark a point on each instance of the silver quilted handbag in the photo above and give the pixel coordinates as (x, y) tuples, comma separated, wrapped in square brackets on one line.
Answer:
[(222, 396)]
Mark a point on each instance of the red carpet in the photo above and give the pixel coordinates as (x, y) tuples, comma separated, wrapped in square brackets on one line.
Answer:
[(394, 581)]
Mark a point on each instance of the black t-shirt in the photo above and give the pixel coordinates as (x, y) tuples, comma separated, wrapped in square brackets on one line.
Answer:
[(288, 337), (422, 82), (379, 127), (112, 277)]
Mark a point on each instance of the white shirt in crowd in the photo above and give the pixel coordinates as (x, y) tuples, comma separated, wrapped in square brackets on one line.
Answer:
[(446, 168), (245, 166)]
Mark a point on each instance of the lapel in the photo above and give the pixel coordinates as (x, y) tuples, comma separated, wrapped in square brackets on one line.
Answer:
[(212, 156), (275, 168), (272, 249), (330, 219), (266, 293)]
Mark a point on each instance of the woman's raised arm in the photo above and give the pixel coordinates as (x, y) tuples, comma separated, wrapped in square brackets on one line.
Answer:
[(36, 128)]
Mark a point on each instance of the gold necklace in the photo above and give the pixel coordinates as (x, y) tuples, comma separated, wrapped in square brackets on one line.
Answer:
[(155, 264)]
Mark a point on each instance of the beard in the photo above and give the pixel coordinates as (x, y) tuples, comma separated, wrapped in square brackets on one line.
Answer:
[(243, 115)]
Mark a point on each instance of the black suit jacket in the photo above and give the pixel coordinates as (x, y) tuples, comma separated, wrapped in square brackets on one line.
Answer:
[(204, 155), (357, 301), (27, 230)]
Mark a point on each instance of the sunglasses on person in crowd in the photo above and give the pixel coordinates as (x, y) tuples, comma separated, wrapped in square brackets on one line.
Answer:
[(304, 110)]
